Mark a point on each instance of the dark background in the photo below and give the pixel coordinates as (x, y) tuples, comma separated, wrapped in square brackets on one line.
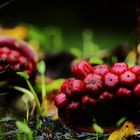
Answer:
[(71, 14), (112, 21)]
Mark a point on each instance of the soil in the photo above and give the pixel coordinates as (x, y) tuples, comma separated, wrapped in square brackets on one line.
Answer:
[(51, 130)]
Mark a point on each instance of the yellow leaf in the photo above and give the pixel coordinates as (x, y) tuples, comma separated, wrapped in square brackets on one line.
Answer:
[(127, 129)]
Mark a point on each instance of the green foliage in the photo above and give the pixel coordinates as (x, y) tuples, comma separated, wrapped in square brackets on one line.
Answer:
[(56, 84), (24, 128), (23, 75), (97, 128), (26, 97), (41, 67), (121, 121), (54, 38), (29, 94), (36, 98), (26, 77), (2, 133), (49, 38), (76, 52), (96, 60)]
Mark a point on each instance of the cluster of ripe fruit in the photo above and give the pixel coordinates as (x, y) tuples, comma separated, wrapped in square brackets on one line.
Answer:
[(98, 92), (16, 55)]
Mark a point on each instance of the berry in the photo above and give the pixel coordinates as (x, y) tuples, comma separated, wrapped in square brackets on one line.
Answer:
[(101, 69), (124, 92), (23, 60), (17, 53), (61, 100), (128, 78), (111, 80), (88, 101), (106, 96), (75, 88), (74, 113), (12, 59), (136, 90), (136, 70), (99, 94), (119, 68), (5, 50), (138, 78), (4, 56), (93, 83), (82, 69), (65, 85), (73, 106)]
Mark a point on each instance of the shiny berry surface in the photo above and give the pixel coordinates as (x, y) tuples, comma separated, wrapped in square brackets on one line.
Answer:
[(82, 69)]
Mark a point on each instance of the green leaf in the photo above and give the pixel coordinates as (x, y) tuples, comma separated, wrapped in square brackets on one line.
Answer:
[(97, 128), (119, 122), (56, 84), (23, 127), (96, 60), (41, 67), (76, 52), (25, 98), (25, 91), (23, 75)]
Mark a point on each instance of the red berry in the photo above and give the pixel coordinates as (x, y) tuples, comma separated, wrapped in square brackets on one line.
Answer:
[(73, 112), (136, 90), (93, 83), (65, 85), (4, 56), (73, 105), (88, 101), (16, 53), (12, 59), (29, 66), (138, 78), (0, 51), (136, 70), (82, 69), (61, 101), (119, 68), (1, 68), (22, 59), (5, 50), (111, 80), (101, 69), (106, 96), (128, 78), (75, 88), (124, 92)]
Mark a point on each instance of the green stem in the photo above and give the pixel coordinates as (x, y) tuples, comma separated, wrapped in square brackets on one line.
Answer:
[(25, 91), (43, 86), (96, 135), (35, 96), (27, 112), (44, 101), (30, 135)]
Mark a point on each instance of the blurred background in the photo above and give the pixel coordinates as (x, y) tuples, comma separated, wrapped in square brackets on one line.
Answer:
[(112, 22)]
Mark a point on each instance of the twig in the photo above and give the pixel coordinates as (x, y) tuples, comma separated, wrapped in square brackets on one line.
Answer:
[(6, 3)]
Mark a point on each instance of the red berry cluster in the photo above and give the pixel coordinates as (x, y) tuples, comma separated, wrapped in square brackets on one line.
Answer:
[(98, 92), (16, 55)]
